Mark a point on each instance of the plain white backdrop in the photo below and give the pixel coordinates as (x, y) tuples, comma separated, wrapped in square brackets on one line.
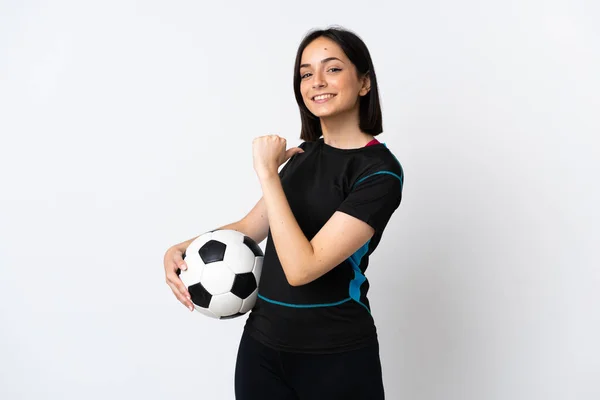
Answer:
[(126, 127)]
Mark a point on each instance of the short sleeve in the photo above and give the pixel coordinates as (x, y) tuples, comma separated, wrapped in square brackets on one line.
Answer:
[(374, 199), (283, 170)]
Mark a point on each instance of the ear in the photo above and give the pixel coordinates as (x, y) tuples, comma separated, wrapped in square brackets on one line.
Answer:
[(366, 86)]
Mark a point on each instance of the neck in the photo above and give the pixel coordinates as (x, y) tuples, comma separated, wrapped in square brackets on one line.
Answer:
[(342, 131)]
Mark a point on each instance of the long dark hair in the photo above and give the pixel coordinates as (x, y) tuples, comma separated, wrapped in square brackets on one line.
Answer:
[(358, 53)]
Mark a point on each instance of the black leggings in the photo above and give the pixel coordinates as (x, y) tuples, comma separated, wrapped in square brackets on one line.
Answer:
[(267, 374)]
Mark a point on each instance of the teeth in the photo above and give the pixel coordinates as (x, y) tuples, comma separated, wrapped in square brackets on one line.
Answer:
[(323, 96)]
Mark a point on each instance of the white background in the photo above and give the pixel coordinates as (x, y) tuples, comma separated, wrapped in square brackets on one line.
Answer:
[(126, 127)]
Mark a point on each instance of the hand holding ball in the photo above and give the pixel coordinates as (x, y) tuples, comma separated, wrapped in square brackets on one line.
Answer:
[(223, 272)]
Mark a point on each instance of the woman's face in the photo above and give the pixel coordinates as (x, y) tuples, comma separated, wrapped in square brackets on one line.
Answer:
[(325, 70)]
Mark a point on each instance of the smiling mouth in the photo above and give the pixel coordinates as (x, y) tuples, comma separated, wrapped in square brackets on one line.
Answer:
[(322, 98)]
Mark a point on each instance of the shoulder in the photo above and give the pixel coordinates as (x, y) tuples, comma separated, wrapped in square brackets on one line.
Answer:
[(389, 161), (307, 145), (380, 164)]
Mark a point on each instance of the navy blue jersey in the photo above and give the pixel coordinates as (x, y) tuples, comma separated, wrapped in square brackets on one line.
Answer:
[(331, 313)]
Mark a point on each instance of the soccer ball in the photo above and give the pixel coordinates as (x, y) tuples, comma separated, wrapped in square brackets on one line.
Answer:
[(223, 271)]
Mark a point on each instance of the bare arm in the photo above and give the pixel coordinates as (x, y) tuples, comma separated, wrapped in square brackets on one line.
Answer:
[(254, 225), (302, 260), (233, 226)]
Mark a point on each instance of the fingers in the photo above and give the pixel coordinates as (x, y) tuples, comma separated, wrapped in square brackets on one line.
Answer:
[(173, 265), (180, 265), (292, 151), (177, 292), (178, 260), (270, 137)]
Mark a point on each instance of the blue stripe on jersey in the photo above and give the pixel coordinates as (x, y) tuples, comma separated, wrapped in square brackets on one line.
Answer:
[(401, 169), (354, 288), (376, 173), (359, 277), (303, 305), (394, 157)]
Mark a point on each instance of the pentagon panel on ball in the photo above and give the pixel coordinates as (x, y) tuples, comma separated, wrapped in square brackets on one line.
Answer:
[(223, 273)]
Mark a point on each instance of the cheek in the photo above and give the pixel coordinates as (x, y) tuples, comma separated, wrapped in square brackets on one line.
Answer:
[(304, 89), (345, 84)]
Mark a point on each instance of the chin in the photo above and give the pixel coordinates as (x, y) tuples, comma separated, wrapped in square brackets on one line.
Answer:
[(321, 112), (330, 113)]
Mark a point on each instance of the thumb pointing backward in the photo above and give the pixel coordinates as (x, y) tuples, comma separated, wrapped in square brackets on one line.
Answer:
[(290, 152)]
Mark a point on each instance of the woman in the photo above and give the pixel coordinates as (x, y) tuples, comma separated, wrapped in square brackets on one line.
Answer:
[(311, 334)]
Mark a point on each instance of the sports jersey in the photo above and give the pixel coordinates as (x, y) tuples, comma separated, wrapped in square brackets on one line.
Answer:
[(331, 313), (372, 142)]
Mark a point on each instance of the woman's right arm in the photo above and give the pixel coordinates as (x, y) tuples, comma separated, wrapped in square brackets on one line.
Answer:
[(255, 225)]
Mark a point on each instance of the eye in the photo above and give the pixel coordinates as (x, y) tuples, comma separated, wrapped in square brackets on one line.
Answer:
[(334, 69)]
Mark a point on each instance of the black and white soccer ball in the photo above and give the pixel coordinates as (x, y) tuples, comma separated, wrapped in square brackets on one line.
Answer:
[(223, 272)]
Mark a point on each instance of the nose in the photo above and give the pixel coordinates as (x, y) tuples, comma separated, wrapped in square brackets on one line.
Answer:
[(318, 81)]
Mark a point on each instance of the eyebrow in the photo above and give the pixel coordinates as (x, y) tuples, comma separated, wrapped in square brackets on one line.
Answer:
[(323, 61)]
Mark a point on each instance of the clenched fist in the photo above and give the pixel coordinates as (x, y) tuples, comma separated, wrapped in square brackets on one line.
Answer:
[(269, 152)]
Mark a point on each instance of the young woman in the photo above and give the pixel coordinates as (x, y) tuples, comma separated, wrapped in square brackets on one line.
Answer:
[(311, 334)]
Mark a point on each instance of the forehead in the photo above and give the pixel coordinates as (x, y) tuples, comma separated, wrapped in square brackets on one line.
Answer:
[(321, 48)]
